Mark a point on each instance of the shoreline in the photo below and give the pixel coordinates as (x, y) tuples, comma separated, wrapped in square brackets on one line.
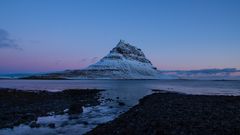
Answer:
[(61, 78), (163, 112), (170, 113), (25, 106)]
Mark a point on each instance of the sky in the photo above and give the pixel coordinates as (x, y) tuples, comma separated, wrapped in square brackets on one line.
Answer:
[(54, 35)]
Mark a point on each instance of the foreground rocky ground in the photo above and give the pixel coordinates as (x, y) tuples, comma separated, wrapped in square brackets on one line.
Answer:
[(23, 107), (165, 113)]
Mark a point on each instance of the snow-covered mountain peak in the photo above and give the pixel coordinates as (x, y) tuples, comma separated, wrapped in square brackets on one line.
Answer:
[(128, 51), (124, 61), (122, 43)]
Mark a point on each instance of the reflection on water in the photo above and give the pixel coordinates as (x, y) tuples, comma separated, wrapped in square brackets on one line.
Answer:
[(127, 91)]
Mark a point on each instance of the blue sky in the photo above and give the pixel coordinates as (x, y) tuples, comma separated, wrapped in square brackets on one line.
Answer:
[(50, 35)]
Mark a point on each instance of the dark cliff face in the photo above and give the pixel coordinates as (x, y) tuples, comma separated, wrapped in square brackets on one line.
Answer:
[(130, 52)]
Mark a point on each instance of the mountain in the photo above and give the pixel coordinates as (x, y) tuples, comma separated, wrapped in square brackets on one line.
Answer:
[(123, 62), (126, 61)]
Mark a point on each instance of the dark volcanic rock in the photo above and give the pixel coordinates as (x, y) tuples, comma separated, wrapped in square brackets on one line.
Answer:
[(85, 122), (34, 124), (22, 107), (51, 125), (177, 114), (75, 108), (121, 103)]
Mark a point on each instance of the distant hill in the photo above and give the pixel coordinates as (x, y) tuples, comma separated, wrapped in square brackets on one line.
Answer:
[(205, 74)]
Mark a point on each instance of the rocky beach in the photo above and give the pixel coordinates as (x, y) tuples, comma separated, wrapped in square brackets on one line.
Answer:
[(24, 107), (169, 113)]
